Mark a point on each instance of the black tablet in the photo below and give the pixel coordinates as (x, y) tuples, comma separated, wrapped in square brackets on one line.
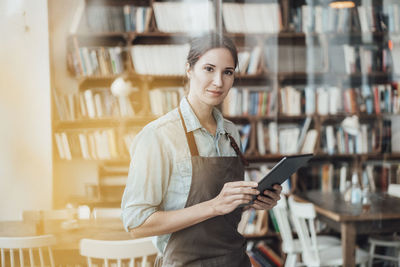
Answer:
[(282, 171)]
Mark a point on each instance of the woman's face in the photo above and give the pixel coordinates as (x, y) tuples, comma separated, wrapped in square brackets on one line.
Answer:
[(211, 77)]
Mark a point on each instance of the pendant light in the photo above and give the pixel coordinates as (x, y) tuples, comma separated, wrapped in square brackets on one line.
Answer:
[(342, 4)]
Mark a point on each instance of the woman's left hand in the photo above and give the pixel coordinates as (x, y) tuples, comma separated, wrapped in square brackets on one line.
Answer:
[(269, 199)]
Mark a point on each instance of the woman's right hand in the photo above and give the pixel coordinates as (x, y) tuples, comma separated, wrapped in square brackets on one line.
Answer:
[(232, 195)]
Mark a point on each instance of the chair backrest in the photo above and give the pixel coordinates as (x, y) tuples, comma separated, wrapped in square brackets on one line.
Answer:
[(38, 248), (106, 213), (394, 190), (303, 216), (282, 218), (111, 251)]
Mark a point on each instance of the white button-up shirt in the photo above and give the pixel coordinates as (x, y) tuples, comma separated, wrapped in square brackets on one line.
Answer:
[(160, 171)]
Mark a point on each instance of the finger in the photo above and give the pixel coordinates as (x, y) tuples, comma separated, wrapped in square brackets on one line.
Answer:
[(242, 184), (240, 201), (272, 194), (266, 200), (234, 198), (277, 188), (245, 190), (263, 205), (259, 206)]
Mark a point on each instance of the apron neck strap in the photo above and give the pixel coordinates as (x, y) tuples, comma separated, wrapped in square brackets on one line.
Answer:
[(189, 137), (237, 149), (193, 147)]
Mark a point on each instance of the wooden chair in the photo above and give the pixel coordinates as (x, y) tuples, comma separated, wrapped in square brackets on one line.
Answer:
[(290, 245), (117, 251), (20, 247), (303, 215), (389, 241)]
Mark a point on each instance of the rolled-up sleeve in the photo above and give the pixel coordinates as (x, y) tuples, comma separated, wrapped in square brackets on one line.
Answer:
[(148, 178)]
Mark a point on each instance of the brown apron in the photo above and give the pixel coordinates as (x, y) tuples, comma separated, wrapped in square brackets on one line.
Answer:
[(216, 241)]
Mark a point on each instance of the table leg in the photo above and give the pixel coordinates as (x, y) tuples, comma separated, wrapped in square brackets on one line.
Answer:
[(348, 233)]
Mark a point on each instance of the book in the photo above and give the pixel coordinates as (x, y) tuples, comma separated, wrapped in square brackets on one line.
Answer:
[(261, 258), (303, 133), (273, 220), (327, 178), (268, 252), (253, 260), (77, 17), (310, 142)]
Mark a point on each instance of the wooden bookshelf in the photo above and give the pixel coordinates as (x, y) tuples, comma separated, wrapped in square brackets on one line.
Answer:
[(264, 79)]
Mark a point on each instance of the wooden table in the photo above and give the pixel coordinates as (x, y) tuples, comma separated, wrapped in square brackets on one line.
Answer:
[(66, 250), (383, 216)]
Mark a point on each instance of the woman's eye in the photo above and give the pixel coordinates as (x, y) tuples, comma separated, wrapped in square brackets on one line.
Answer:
[(207, 68), (228, 72)]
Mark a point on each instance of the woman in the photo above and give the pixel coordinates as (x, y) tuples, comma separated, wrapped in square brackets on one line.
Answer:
[(186, 176)]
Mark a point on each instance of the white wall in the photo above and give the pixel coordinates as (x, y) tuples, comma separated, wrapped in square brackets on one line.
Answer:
[(25, 121)]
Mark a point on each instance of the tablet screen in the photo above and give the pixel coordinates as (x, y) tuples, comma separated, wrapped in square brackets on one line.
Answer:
[(282, 171)]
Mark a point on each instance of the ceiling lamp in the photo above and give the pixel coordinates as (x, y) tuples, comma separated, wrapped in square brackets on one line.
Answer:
[(342, 4)]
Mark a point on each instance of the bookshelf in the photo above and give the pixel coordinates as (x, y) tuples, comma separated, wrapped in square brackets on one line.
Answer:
[(299, 78)]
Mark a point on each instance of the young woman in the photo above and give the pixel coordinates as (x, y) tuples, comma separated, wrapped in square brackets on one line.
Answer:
[(186, 178)]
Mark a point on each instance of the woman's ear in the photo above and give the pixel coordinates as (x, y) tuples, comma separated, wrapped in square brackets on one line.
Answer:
[(188, 71)]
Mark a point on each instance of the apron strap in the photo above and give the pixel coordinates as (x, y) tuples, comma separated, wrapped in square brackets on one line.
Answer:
[(189, 137), (193, 147), (237, 149)]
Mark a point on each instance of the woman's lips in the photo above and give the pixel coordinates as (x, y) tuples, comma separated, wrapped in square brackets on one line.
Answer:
[(216, 93)]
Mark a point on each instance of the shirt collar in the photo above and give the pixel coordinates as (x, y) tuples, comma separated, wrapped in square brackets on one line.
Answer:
[(192, 122)]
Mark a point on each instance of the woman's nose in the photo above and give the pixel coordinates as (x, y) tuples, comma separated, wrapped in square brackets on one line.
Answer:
[(217, 79)]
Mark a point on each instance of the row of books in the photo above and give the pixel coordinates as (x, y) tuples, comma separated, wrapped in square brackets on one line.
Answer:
[(349, 59), (94, 103), (362, 18), (339, 59), (199, 16), (165, 99), (323, 19), (262, 255), (336, 139), (286, 138), (294, 101), (330, 177), (190, 17), (160, 59), (118, 18), (332, 100), (285, 58), (252, 17), (96, 61), (171, 59), (244, 101), (292, 138), (99, 144)]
